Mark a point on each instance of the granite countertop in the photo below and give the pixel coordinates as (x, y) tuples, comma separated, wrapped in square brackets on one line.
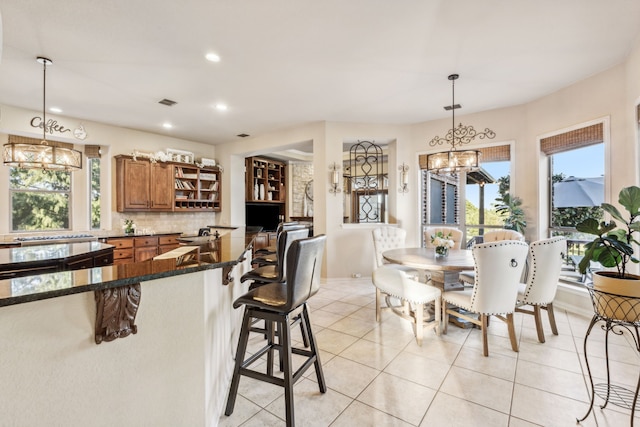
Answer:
[(214, 253), (26, 255)]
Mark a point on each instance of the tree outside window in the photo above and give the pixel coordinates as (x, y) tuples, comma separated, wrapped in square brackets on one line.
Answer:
[(40, 199), (94, 188)]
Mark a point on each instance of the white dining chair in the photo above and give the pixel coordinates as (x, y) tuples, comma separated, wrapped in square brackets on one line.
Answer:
[(498, 268), (384, 239), (468, 277), (543, 272), (413, 297)]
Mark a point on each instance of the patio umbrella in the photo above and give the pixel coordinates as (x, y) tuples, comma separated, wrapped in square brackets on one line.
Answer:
[(578, 192)]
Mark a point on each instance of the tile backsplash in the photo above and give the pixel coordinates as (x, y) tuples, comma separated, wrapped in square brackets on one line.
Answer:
[(187, 223)]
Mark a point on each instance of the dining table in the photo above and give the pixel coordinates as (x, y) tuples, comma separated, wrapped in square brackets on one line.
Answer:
[(449, 266)]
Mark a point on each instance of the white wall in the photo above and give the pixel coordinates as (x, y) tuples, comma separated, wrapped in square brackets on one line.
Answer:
[(115, 140)]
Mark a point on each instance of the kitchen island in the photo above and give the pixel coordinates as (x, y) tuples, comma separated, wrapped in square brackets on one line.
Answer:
[(174, 369)]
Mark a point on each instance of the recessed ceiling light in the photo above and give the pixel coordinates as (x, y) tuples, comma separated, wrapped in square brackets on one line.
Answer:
[(221, 107), (55, 110), (167, 125), (212, 57)]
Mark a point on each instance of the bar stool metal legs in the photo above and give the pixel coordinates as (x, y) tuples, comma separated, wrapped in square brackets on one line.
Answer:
[(282, 322)]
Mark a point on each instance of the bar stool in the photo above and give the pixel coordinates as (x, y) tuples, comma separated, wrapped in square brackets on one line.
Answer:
[(280, 303), (275, 272), (271, 250)]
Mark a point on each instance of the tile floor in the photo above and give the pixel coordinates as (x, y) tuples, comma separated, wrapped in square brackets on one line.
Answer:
[(377, 375)]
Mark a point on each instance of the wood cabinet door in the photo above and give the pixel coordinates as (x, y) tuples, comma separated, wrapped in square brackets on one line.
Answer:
[(162, 187), (145, 253), (135, 184)]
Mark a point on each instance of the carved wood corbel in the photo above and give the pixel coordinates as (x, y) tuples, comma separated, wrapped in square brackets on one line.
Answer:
[(116, 310)]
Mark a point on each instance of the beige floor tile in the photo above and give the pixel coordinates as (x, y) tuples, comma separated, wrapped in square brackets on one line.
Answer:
[(435, 348), (341, 308), (613, 417), (371, 354), (517, 422), (498, 344), (496, 365), (411, 367), (352, 326), (323, 318), (450, 411), (545, 355), (334, 341), (619, 373), (346, 376), (242, 411), (361, 415), (547, 409), (316, 302), (365, 313), (552, 380), (561, 341), (398, 397), (333, 295), (358, 299), (259, 392), (311, 407), (264, 418), (485, 390)]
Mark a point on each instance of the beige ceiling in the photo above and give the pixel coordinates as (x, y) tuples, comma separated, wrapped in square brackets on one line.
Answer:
[(286, 62)]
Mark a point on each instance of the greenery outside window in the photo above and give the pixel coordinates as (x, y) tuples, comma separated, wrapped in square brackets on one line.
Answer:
[(40, 199), (94, 192)]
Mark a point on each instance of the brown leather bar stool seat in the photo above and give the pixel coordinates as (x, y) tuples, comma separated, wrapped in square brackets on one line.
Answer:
[(280, 304), (275, 272)]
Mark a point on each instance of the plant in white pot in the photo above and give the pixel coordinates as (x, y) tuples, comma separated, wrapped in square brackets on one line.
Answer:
[(613, 247)]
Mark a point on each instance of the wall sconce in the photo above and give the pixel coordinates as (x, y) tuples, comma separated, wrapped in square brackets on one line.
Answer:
[(335, 178), (404, 178)]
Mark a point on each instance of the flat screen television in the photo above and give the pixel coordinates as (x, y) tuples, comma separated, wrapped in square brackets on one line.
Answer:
[(263, 215)]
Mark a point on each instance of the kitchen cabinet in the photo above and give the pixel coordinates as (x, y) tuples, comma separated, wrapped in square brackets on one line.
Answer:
[(265, 180), (140, 248), (197, 189), (143, 186)]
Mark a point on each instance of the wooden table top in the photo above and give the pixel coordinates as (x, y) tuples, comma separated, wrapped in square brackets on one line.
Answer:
[(425, 259)]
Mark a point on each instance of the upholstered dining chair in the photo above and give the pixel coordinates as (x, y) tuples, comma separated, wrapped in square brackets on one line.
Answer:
[(413, 296), (445, 278), (498, 268), (543, 272), (498, 235)]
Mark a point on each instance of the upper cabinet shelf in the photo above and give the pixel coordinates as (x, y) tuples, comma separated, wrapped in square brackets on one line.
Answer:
[(169, 187), (265, 180)]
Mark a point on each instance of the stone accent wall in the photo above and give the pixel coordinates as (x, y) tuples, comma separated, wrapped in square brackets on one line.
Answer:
[(301, 174)]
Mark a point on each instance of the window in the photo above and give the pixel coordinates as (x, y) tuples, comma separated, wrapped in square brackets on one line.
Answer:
[(40, 199), (94, 190), (576, 177)]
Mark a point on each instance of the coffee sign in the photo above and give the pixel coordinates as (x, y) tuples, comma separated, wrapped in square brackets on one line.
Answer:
[(52, 125)]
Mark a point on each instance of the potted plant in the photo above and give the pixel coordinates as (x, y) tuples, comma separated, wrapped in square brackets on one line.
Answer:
[(613, 247)]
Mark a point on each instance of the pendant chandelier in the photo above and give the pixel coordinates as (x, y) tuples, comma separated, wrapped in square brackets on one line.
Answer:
[(44, 155), (455, 161)]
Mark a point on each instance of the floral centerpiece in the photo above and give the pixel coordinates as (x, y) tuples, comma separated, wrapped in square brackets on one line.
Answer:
[(442, 243), (129, 226)]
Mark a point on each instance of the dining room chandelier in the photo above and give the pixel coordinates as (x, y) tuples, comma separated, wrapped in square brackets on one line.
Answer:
[(45, 154), (454, 160)]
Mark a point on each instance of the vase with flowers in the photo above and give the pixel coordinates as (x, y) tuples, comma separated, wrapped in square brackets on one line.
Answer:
[(442, 243), (129, 226)]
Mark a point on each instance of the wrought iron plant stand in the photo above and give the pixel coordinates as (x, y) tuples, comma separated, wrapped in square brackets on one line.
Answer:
[(618, 313)]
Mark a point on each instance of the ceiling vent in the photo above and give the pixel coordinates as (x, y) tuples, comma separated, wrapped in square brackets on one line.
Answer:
[(243, 135), (452, 107), (167, 102)]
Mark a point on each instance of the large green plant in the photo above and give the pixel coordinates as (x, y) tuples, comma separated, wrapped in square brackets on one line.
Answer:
[(514, 218), (613, 246)]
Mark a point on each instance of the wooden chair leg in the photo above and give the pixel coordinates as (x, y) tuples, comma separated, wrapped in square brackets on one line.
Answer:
[(419, 320), (538, 320), (552, 318), (484, 320), (378, 302), (512, 332), (445, 317)]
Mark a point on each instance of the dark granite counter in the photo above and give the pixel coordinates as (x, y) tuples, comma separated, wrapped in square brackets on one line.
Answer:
[(223, 252), (23, 257)]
